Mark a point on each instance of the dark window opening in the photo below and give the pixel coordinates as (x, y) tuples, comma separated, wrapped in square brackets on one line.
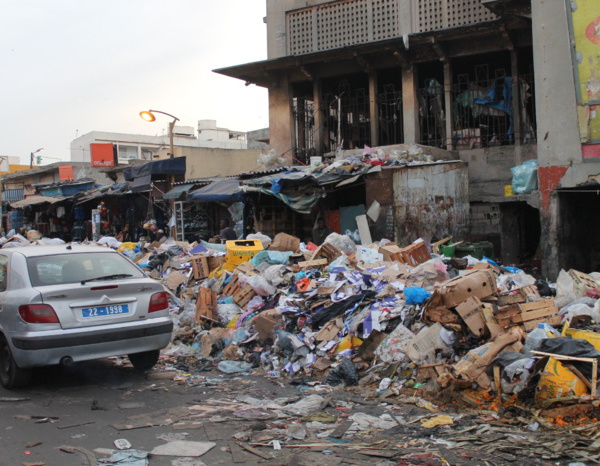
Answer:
[(389, 100), (482, 101), (432, 112), (303, 110), (347, 113), (578, 245)]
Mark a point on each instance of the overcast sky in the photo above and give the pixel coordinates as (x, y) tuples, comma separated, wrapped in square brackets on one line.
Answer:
[(74, 66)]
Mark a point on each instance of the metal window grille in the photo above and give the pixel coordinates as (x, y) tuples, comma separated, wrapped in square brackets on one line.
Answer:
[(432, 114), (391, 126), (304, 129)]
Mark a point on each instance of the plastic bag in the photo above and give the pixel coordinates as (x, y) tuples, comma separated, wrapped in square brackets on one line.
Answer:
[(516, 375), (416, 295), (233, 367), (572, 347), (566, 290), (579, 309), (533, 339), (344, 373), (227, 312), (524, 179), (341, 242), (260, 285), (275, 274), (264, 239)]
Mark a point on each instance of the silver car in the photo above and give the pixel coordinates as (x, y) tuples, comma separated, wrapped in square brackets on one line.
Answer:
[(60, 304)]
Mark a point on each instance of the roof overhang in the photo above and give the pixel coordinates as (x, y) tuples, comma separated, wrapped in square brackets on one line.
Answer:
[(482, 37)]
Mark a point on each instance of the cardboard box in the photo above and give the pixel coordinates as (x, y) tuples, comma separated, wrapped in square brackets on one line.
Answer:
[(471, 313), (285, 242), (200, 267), (583, 281), (265, 324), (478, 283)]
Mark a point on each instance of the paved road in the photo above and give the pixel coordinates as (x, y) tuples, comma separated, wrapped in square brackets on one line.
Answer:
[(90, 405)]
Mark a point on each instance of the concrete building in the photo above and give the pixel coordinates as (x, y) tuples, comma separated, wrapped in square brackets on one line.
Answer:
[(136, 146), (464, 76)]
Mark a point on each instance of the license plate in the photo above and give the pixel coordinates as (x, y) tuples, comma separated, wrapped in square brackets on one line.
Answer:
[(100, 311)]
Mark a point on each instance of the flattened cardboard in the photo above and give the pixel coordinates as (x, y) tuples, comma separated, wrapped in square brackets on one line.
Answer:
[(422, 347), (471, 313), (479, 283)]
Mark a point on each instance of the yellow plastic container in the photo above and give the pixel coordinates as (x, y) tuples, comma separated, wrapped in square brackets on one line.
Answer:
[(240, 251), (508, 190)]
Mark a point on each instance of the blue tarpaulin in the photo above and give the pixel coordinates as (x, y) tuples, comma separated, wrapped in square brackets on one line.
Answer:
[(225, 190), (174, 166)]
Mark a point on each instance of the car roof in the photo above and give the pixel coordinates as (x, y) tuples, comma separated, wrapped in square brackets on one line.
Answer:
[(35, 251)]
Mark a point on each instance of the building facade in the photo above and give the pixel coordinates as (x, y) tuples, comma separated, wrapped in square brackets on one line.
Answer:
[(491, 80)]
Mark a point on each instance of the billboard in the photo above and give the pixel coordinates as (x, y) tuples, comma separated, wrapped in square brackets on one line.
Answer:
[(65, 173), (103, 155), (585, 33)]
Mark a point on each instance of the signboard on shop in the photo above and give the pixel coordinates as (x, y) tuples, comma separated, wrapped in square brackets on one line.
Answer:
[(102, 155)]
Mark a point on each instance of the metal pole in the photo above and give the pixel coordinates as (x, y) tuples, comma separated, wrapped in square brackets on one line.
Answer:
[(172, 180)]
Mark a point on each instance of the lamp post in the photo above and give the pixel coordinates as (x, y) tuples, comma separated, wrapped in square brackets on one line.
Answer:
[(149, 116), (32, 154)]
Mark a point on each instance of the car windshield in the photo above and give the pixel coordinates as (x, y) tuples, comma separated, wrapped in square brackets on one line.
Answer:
[(61, 269)]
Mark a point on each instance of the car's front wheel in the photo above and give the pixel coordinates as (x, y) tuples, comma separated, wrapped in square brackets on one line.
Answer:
[(11, 375), (144, 361)]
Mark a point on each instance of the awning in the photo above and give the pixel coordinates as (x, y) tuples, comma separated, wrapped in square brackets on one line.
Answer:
[(225, 190), (301, 203), (174, 166), (178, 190), (34, 200), (141, 184)]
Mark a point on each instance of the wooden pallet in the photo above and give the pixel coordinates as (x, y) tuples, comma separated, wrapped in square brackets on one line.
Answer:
[(231, 287), (528, 314), (243, 296), (517, 296), (206, 306)]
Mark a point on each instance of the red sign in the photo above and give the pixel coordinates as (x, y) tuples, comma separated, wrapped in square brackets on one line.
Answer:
[(103, 155), (65, 172)]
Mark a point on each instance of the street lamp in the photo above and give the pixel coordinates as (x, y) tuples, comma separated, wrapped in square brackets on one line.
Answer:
[(32, 154), (149, 116)]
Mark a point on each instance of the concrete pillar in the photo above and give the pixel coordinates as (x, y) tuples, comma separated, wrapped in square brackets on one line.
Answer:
[(280, 115), (448, 103), (410, 105), (374, 108), (319, 116), (516, 104)]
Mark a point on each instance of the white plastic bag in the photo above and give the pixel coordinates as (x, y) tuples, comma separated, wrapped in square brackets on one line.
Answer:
[(260, 285), (264, 239)]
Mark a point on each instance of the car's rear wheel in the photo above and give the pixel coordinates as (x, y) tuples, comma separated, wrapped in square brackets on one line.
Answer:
[(11, 375), (144, 361)]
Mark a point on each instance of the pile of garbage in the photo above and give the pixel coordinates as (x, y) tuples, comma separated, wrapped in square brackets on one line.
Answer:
[(381, 316)]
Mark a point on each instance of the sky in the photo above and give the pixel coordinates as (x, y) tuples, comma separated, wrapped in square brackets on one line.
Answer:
[(70, 67)]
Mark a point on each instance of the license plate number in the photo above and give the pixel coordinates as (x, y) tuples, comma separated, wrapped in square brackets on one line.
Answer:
[(100, 311)]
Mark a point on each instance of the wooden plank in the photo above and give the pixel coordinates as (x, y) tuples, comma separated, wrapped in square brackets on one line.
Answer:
[(236, 453), (544, 303), (254, 451), (313, 263), (530, 325), (341, 429), (533, 315)]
